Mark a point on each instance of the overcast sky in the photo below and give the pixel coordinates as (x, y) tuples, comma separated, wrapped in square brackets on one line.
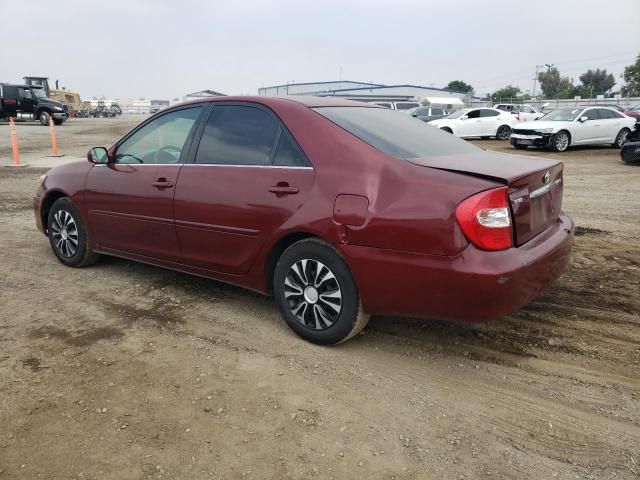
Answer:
[(168, 48)]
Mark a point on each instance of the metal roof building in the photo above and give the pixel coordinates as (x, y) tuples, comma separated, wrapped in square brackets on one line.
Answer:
[(369, 92)]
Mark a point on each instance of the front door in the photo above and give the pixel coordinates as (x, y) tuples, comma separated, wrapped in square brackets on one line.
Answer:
[(587, 131), (130, 200), (248, 178), (470, 126), (26, 100)]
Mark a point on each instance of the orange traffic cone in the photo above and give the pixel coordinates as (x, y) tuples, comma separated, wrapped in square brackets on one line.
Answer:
[(54, 139), (14, 142)]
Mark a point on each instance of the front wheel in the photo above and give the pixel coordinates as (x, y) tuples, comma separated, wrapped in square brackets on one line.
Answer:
[(560, 142), (68, 236), (44, 118), (58, 121), (621, 138), (316, 293), (504, 132)]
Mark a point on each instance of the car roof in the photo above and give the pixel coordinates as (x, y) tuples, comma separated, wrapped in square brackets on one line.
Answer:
[(307, 101)]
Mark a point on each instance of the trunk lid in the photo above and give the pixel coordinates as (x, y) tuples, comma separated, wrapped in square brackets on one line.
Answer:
[(535, 185)]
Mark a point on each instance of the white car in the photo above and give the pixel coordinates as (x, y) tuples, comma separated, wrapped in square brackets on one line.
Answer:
[(523, 113), (477, 122), (560, 129)]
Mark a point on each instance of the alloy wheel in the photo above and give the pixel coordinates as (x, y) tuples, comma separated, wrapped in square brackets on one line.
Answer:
[(504, 132), (313, 294), (562, 142), (622, 137), (65, 233)]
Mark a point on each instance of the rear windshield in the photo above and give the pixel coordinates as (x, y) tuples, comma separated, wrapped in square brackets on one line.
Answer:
[(395, 133)]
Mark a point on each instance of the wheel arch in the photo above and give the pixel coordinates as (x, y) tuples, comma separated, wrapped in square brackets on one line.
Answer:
[(50, 198), (278, 248)]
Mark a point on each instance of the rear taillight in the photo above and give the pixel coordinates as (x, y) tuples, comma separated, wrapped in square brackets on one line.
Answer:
[(485, 219)]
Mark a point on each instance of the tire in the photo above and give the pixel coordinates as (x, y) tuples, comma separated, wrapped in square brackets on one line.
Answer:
[(447, 129), (44, 116), (58, 121), (316, 293), (503, 132), (621, 138), (560, 141), (64, 225)]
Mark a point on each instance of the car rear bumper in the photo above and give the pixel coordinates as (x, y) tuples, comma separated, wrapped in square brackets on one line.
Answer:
[(533, 140), (474, 286)]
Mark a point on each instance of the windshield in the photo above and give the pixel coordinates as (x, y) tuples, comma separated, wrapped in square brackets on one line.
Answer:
[(564, 115), (395, 133), (39, 93), (458, 113)]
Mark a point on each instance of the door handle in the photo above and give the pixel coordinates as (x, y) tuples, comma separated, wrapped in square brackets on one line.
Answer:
[(283, 189), (161, 183)]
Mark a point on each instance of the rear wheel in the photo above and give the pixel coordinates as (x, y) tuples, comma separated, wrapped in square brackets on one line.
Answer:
[(621, 138), (316, 293), (504, 132), (44, 118), (68, 236), (560, 141)]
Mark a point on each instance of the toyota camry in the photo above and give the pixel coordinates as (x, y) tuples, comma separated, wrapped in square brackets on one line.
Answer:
[(339, 209)]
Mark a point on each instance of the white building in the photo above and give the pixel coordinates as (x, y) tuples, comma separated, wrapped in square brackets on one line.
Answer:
[(371, 92)]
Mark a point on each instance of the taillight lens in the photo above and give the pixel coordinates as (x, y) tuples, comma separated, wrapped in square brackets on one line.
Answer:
[(485, 219)]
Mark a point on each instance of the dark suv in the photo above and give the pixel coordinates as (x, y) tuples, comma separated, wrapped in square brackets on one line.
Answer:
[(26, 102)]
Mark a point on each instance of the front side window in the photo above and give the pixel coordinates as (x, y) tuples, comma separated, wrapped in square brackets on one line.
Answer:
[(406, 105), (238, 135), (473, 114), (437, 111), (395, 133), (160, 141), (24, 93), (593, 114)]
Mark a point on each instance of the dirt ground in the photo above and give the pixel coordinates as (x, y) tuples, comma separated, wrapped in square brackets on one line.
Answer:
[(126, 371)]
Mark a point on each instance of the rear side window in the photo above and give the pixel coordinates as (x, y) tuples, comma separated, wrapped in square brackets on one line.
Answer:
[(437, 111), (395, 133), (237, 135), (288, 154), (488, 113)]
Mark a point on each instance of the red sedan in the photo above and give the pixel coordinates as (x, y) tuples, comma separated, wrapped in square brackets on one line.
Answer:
[(340, 209)]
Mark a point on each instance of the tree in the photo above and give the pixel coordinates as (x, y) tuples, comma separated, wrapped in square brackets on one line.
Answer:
[(552, 84), (631, 77), (505, 93), (459, 86), (598, 81)]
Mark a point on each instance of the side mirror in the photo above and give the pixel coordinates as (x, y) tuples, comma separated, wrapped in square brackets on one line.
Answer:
[(584, 119), (98, 155), (464, 117)]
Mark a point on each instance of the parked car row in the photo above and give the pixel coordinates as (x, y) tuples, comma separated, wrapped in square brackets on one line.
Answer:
[(527, 126)]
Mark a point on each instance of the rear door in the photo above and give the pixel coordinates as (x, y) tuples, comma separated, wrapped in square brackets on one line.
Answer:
[(247, 179), (611, 124), (130, 201), (488, 122)]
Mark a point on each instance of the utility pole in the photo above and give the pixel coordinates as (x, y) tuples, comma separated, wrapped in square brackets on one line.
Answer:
[(535, 79), (549, 66)]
